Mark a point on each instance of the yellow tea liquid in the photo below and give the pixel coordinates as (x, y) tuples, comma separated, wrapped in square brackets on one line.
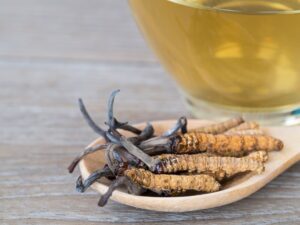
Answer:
[(243, 54)]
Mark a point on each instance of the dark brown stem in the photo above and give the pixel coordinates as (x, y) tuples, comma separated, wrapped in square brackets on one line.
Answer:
[(83, 154), (157, 145), (90, 121), (163, 143), (112, 122), (134, 150), (82, 186), (146, 133), (134, 188), (119, 181), (180, 125), (113, 186), (127, 127)]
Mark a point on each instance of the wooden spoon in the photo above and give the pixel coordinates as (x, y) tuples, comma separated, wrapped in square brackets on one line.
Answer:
[(238, 189)]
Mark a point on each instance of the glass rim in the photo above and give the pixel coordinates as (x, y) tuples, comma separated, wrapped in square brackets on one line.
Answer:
[(199, 5)]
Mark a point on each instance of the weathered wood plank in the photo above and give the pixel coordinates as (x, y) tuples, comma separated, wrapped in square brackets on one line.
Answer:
[(44, 96), (250, 212), (70, 30), (36, 146)]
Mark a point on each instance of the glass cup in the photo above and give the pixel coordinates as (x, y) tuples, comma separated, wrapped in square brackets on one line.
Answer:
[(229, 57)]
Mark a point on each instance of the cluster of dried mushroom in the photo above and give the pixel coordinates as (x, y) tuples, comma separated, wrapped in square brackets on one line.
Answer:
[(178, 160)]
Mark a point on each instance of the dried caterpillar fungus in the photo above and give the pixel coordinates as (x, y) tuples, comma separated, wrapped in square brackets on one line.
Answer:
[(261, 156), (200, 158), (249, 125), (198, 163), (246, 132), (226, 145), (219, 128), (172, 183)]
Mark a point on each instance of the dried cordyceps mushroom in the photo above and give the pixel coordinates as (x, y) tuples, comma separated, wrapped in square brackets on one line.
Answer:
[(260, 156), (189, 143), (219, 128), (246, 128), (172, 163), (140, 162), (118, 158), (219, 167), (174, 183), (114, 124), (250, 125), (162, 184), (229, 145), (246, 132), (223, 144)]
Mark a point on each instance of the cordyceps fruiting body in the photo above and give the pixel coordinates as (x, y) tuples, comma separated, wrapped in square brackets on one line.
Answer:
[(172, 183), (219, 127), (226, 145), (249, 125), (195, 160), (246, 132), (171, 163), (260, 156)]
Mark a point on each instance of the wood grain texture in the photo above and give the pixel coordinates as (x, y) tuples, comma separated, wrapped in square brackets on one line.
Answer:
[(51, 53), (70, 30)]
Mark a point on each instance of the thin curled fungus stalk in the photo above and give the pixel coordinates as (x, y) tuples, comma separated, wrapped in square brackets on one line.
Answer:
[(167, 164)]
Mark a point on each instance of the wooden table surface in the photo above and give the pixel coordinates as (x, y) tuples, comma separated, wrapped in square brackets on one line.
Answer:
[(51, 53)]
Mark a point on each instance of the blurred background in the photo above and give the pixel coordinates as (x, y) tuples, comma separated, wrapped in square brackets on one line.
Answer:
[(51, 53)]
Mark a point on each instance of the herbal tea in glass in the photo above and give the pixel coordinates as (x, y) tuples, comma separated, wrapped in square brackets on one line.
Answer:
[(229, 56)]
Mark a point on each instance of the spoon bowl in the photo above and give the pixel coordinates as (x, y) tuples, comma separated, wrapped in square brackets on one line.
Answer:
[(239, 188)]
